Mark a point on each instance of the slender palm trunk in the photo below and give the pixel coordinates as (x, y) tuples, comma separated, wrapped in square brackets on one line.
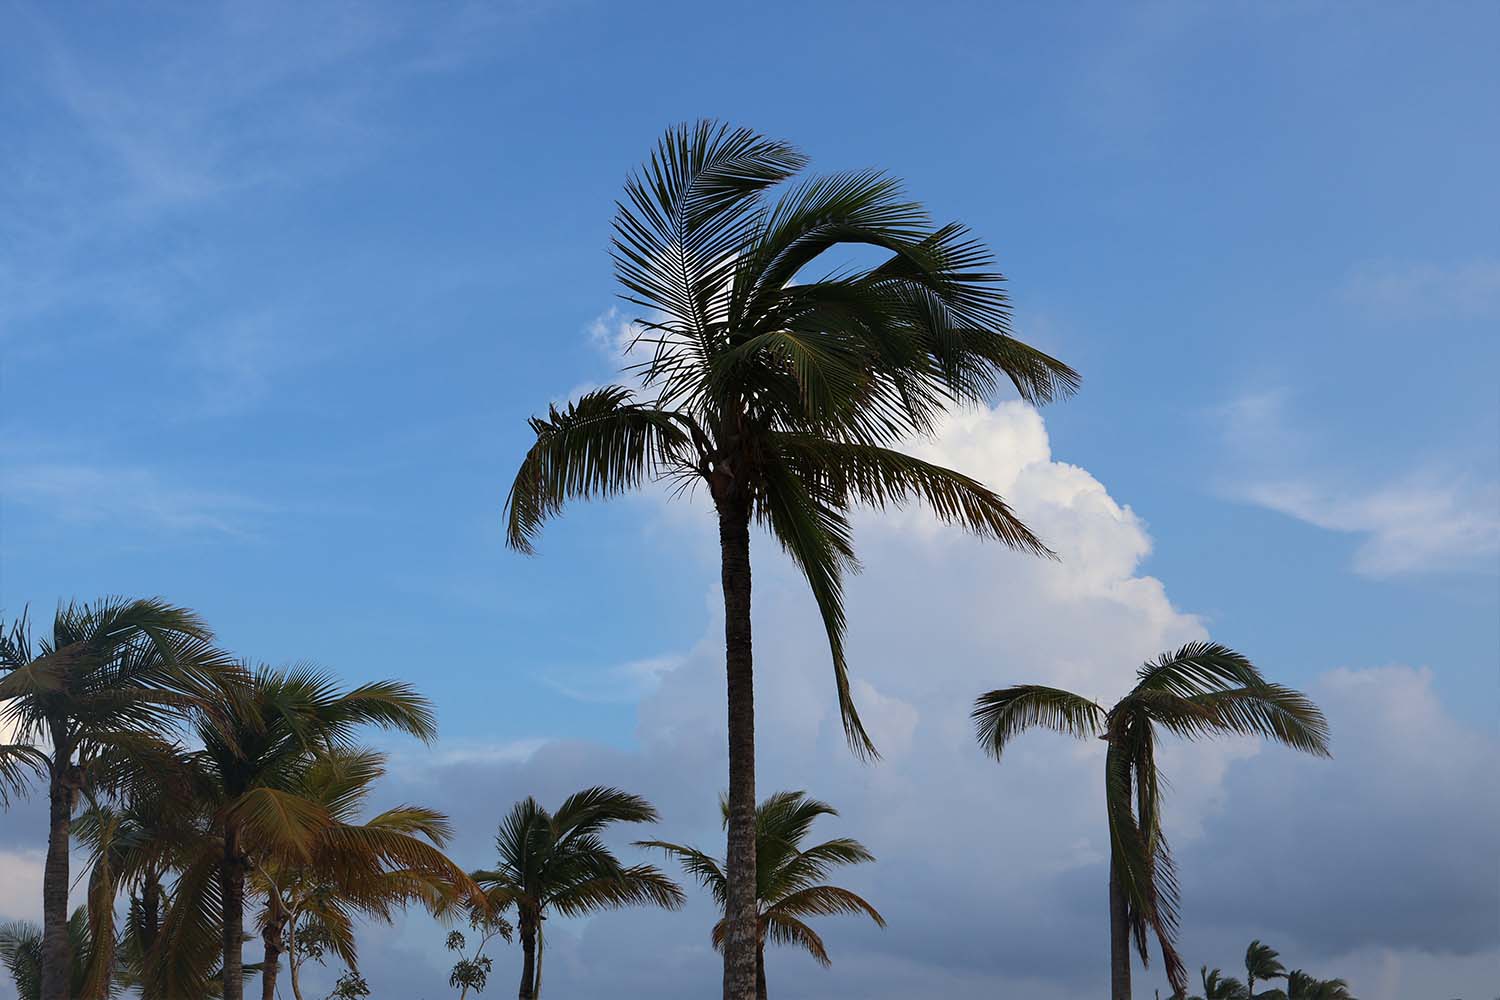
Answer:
[(270, 968), (528, 956), (150, 910), (57, 961), (1119, 915), (232, 888), (760, 972), (740, 944)]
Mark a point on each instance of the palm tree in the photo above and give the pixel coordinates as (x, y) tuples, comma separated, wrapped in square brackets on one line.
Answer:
[(1301, 986), (1217, 986), (783, 392), (256, 747), (111, 675), (1203, 689), (21, 948), (557, 862), (370, 869), (1261, 962), (789, 879)]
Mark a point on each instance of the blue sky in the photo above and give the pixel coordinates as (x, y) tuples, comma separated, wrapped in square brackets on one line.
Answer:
[(279, 285)]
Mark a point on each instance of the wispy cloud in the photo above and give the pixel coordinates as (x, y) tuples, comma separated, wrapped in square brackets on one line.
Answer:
[(1464, 289), (1431, 518), (91, 494)]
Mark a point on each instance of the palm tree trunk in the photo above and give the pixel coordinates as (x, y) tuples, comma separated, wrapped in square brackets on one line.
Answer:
[(1119, 938), (760, 972), (271, 967), (232, 888), (740, 944), (1119, 910), (57, 963), (528, 958)]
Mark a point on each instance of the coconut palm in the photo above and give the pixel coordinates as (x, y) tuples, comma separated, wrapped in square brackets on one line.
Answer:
[(1261, 962), (558, 863), (21, 954), (783, 390), (789, 878), (85, 704), (256, 748), (1301, 986), (351, 869), (1217, 986), (1203, 689)]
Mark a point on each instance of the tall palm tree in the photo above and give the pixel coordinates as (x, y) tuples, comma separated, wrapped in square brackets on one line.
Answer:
[(789, 878), (783, 390), (352, 869), (1203, 689), (1261, 962), (256, 747), (85, 703), (557, 862), (21, 948)]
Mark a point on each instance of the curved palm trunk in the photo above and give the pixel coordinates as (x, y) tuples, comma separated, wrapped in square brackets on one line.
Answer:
[(760, 972), (528, 957), (740, 944), (232, 888), (57, 960), (1119, 912)]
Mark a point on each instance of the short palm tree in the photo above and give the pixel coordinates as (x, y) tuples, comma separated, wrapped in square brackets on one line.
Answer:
[(789, 878), (352, 869), (1262, 962), (1301, 986), (1217, 986), (1203, 689), (783, 391), (111, 675), (256, 748), (21, 954), (558, 863)]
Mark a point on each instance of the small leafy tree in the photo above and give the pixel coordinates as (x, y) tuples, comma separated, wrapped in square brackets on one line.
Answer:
[(472, 972), (350, 986)]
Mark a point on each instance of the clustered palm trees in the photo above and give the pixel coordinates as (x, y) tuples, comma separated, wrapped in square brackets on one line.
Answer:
[(781, 375), (1263, 963)]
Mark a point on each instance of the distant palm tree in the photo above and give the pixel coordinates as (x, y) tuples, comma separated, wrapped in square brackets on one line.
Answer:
[(111, 676), (256, 746), (352, 869), (1261, 962), (782, 391), (1301, 986), (1203, 689), (1217, 986), (21, 954), (557, 862), (789, 878)]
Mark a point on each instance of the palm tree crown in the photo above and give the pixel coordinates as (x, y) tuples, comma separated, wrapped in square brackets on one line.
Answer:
[(789, 877), (1203, 689), (1262, 962), (558, 862)]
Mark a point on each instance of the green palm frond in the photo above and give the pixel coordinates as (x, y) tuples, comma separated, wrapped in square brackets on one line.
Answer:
[(1001, 715), (879, 477), (599, 446)]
